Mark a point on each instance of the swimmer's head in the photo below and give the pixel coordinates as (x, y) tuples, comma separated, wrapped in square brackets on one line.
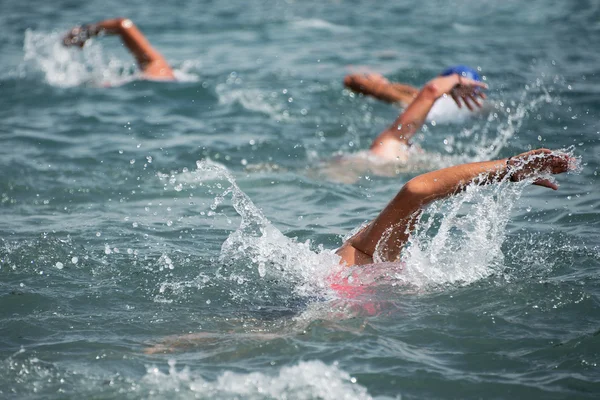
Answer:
[(462, 70)]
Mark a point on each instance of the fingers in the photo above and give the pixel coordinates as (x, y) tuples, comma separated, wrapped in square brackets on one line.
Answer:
[(473, 98), (75, 37), (470, 82), (469, 91), (546, 183), (466, 98), (455, 98)]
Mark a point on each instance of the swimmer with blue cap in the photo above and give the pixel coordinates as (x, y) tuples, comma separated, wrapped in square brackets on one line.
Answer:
[(461, 83), (394, 142), (375, 85), (151, 62)]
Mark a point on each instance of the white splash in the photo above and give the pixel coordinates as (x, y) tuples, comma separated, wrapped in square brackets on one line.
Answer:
[(252, 99), (68, 67), (262, 245), (257, 244), (306, 380), (64, 67), (316, 23), (485, 142)]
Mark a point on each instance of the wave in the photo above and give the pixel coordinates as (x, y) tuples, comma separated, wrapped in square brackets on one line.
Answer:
[(305, 380)]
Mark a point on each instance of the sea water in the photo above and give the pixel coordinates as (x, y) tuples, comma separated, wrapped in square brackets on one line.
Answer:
[(175, 240)]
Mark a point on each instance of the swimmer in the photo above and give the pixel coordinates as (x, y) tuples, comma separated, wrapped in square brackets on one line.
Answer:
[(398, 218), (392, 148), (393, 143), (150, 61), (376, 85)]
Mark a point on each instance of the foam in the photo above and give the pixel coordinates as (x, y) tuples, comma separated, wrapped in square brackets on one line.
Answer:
[(305, 380)]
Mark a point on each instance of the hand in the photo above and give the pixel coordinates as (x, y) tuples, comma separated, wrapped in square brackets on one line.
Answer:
[(460, 88), (469, 91), (79, 35), (376, 78), (540, 161)]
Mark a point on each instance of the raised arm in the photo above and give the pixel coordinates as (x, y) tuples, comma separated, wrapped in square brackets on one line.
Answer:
[(377, 86), (397, 218), (150, 61), (388, 143)]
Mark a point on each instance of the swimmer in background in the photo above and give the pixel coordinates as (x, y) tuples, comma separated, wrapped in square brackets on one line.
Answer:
[(392, 148), (152, 64), (399, 217), (393, 143)]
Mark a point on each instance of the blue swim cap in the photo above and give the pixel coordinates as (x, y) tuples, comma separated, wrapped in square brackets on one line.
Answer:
[(462, 70)]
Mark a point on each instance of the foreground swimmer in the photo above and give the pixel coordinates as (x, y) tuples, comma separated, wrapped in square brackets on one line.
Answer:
[(392, 144), (398, 218), (150, 61), (375, 85)]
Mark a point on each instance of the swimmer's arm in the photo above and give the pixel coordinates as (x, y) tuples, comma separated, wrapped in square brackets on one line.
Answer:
[(411, 120), (398, 217), (381, 89), (149, 60)]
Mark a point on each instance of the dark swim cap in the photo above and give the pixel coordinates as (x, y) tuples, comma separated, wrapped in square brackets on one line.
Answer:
[(462, 70)]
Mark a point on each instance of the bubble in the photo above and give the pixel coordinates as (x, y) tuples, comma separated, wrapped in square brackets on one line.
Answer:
[(59, 265), (74, 260)]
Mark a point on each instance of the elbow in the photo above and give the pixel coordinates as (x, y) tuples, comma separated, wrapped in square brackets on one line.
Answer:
[(417, 191), (430, 91), (124, 23)]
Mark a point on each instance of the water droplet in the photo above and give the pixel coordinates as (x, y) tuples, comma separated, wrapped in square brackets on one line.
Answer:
[(98, 234), (262, 271)]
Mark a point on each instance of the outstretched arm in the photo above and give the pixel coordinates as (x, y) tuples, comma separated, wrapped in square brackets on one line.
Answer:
[(377, 86), (399, 215), (463, 90), (151, 62)]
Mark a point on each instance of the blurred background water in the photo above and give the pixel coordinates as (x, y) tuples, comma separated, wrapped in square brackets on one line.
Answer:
[(173, 240)]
